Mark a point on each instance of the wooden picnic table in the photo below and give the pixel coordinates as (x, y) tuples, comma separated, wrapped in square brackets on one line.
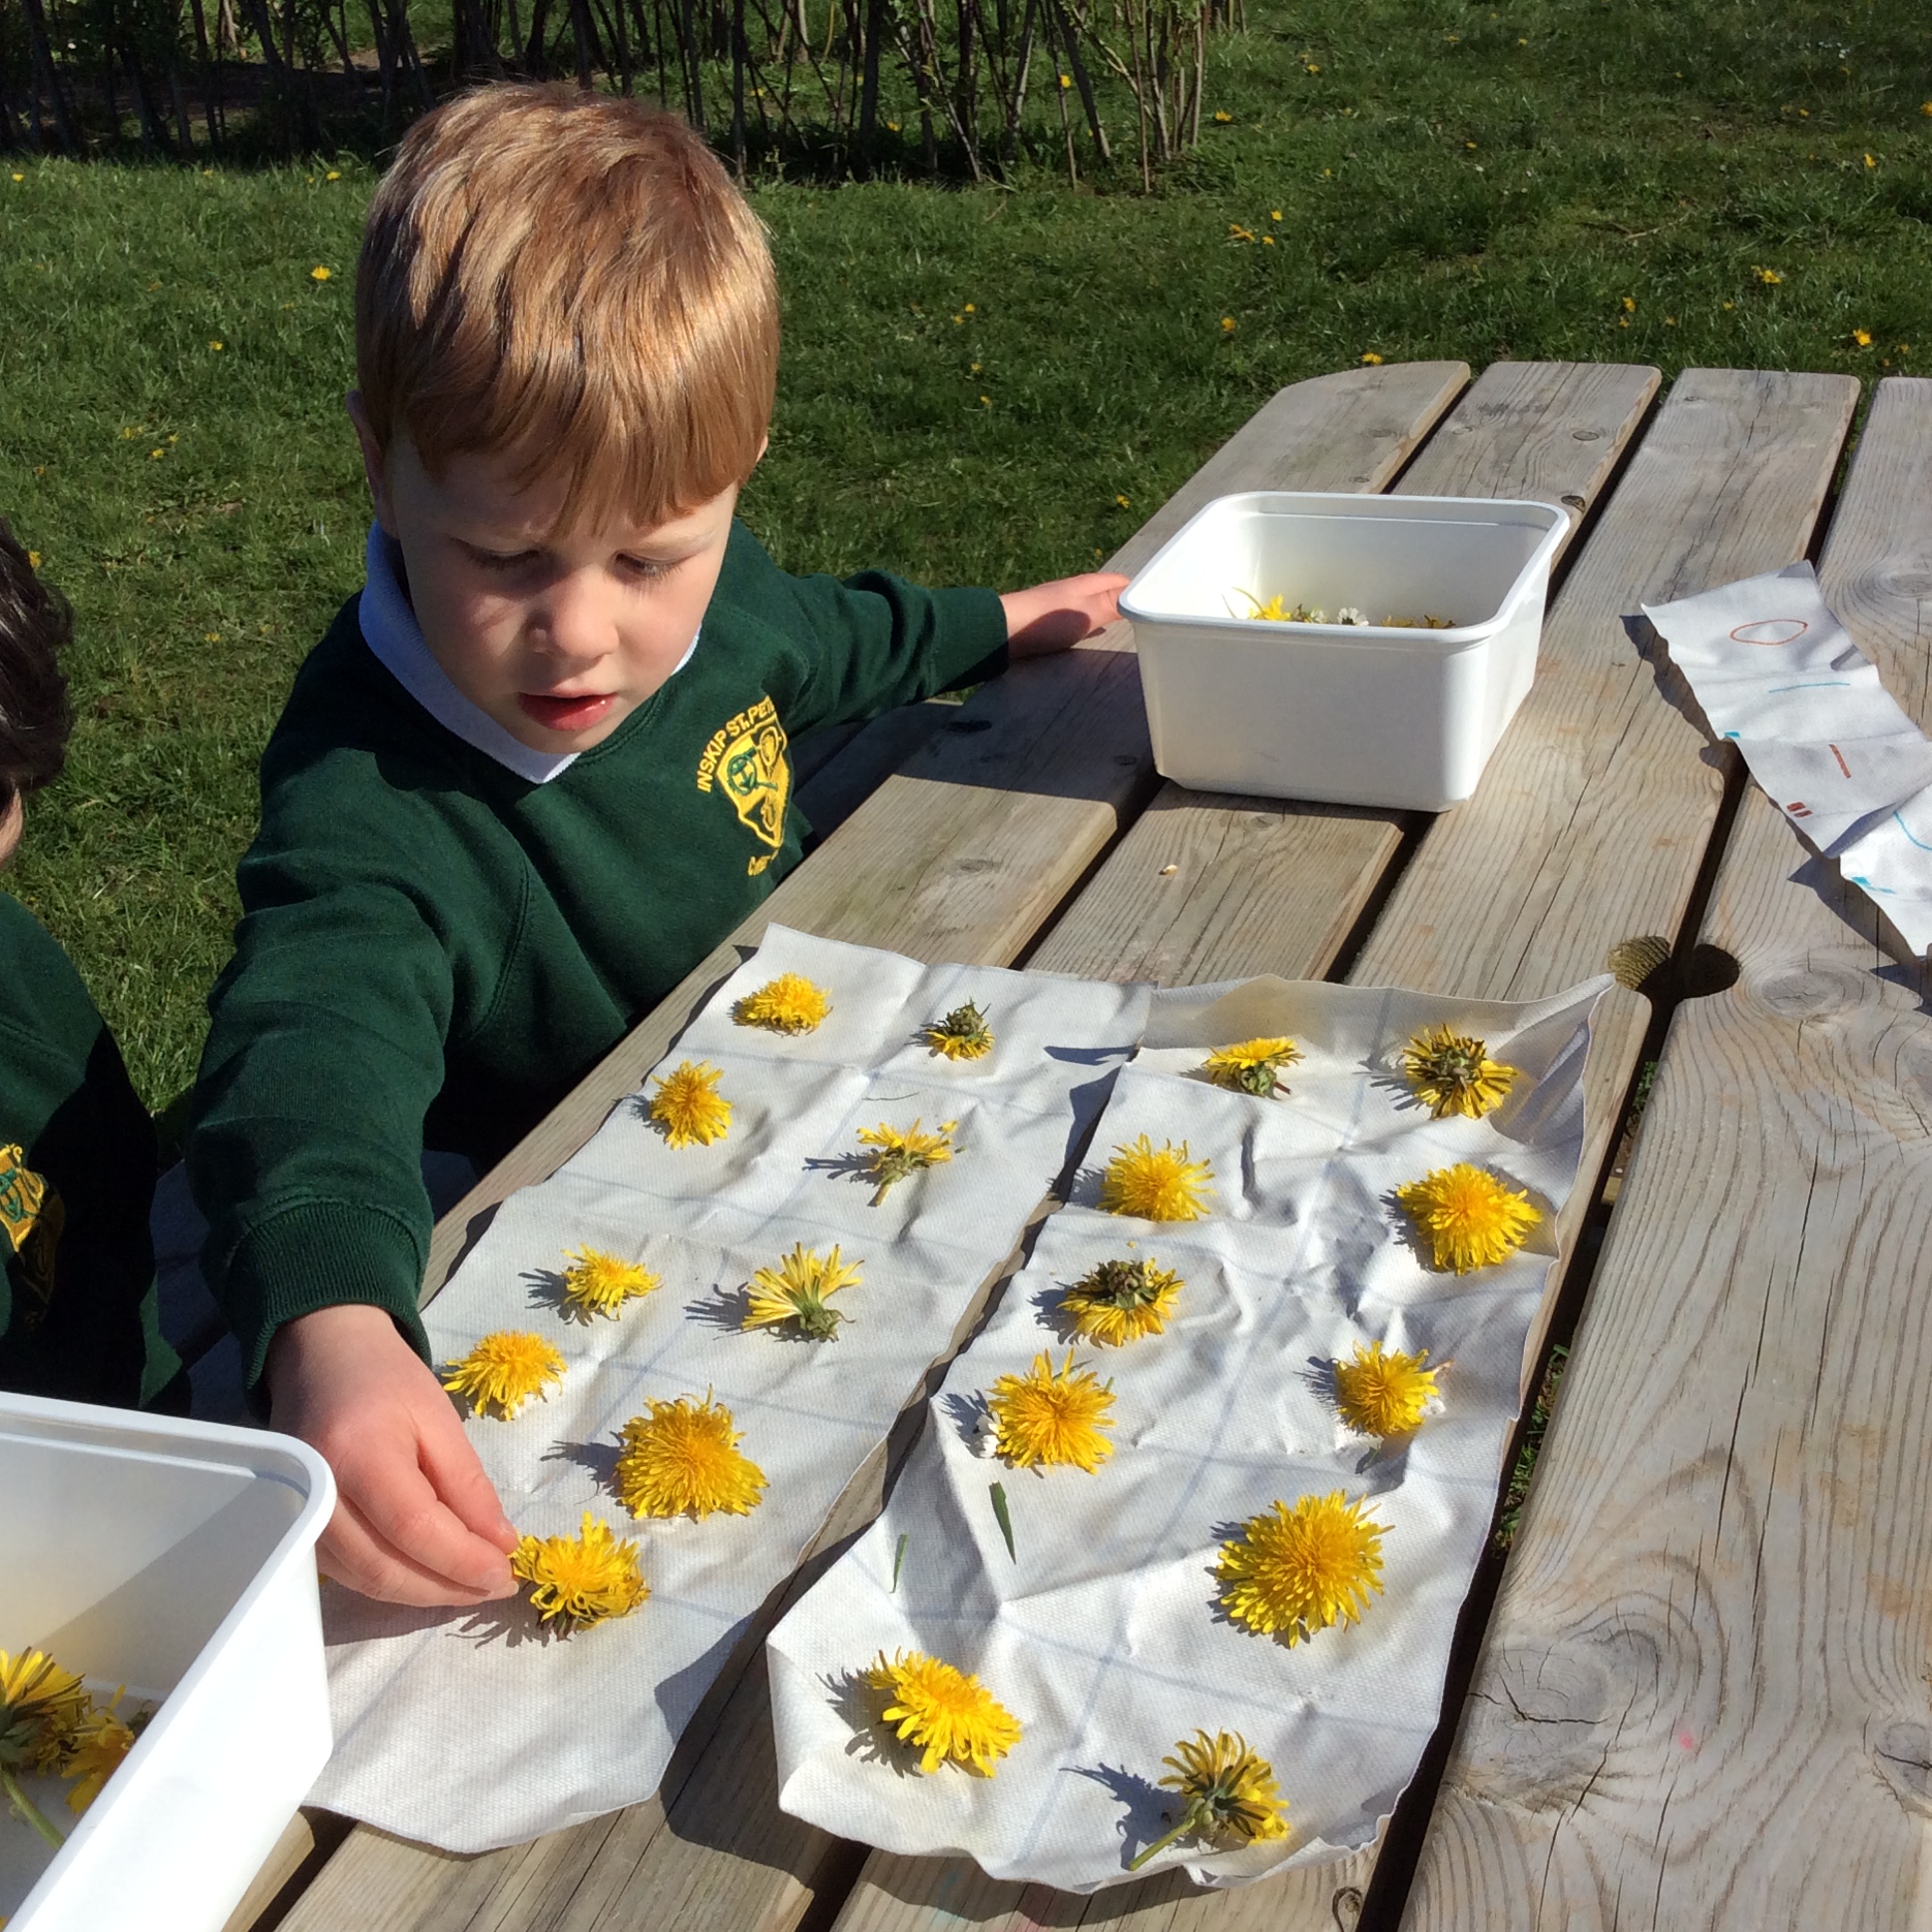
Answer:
[(1696, 1691)]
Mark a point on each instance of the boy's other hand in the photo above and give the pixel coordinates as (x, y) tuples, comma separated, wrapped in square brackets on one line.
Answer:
[(416, 1520), (1054, 617)]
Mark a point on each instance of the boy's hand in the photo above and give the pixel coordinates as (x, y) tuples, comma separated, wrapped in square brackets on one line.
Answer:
[(1052, 617), (416, 1520)]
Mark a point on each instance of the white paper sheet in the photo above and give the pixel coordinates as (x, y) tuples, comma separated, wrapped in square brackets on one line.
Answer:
[(1101, 1633), (1777, 674), (471, 1730)]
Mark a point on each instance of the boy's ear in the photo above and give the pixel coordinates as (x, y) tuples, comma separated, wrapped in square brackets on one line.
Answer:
[(375, 465)]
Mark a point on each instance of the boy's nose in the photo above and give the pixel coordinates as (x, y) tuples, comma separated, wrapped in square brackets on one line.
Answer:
[(573, 624)]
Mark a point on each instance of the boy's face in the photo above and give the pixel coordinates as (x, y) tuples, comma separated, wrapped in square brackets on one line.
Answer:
[(557, 636)]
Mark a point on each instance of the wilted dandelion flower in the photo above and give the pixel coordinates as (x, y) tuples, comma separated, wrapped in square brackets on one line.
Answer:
[(1228, 1794), (963, 1034), (796, 1290), (504, 1370), (580, 1579), (946, 1714), (1252, 1066), (596, 1283), (1052, 1415), (682, 1459), (1454, 1074), (1470, 1218), (901, 1152), (1157, 1184), (100, 1744), (1382, 1393), (1301, 1569), (689, 1107), (1122, 1300), (42, 1708), (788, 1004)]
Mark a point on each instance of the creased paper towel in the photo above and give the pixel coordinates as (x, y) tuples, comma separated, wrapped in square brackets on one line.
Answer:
[(1100, 1633), (471, 1728), (1777, 675)]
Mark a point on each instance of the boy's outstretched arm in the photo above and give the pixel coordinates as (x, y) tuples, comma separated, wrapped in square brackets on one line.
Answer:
[(1055, 617), (416, 1520)]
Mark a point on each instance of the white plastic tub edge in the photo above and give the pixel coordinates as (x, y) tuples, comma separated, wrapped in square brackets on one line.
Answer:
[(1371, 714), (176, 1835)]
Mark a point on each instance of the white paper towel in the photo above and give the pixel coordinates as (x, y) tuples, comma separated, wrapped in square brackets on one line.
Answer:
[(1101, 1633), (1776, 672), (472, 1730)]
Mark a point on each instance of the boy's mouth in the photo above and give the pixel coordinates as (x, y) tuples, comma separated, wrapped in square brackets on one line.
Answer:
[(565, 714)]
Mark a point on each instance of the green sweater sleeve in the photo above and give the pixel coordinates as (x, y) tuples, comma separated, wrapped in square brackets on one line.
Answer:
[(874, 640), (308, 1128)]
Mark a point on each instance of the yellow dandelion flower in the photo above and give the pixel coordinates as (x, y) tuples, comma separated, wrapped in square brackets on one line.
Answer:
[(682, 1459), (318, 273), (689, 1107), (580, 1579), (1157, 1184), (1454, 1074), (1228, 325), (102, 1741), (1221, 117), (1122, 1300), (947, 1714), (1384, 1393), (1229, 1794), (42, 1708), (1052, 1415), (334, 174), (1471, 1219), (596, 1283), (1301, 1569), (1371, 359), (1126, 503), (788, 1004), (901, 1152), (504, 1370), (216, 347), (1252, 1066), (1862, 337), (796, 1290), (963, 1034), (1767, 276)]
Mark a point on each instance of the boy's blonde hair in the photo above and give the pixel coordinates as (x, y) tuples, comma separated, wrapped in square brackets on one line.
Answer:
[(572, 282)]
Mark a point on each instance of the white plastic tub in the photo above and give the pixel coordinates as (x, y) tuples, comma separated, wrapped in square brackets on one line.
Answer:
[(1368, 715), (175, 1558)]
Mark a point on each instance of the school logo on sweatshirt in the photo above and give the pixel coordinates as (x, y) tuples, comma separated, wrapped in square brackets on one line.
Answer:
[(746, 759), (31, 1218)]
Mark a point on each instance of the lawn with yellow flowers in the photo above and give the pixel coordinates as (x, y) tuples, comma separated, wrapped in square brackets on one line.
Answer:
[(982, 384)]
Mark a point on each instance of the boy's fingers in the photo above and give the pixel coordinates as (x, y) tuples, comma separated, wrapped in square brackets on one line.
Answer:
[(404, 1512), (459, 1479), (356, 1554)]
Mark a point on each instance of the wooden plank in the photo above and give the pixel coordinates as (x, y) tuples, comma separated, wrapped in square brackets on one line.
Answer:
[(1209, 886), (965, 853), (1260, 886), (1596, 810), (945, 861), (1704, 1699)]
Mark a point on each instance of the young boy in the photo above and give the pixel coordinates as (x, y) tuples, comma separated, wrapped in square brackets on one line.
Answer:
[(78, 1314), (537, 770)]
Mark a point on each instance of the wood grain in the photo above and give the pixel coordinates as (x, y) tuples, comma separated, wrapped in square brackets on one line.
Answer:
[(963, 857), (1704, 1696), (1209, 886), (1260, 886)]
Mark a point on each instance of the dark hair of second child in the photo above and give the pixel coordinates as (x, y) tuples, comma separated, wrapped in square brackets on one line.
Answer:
[(36, 624)]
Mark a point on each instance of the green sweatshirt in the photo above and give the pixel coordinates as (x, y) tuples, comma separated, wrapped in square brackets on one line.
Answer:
[(78, 1311), (433, 949)]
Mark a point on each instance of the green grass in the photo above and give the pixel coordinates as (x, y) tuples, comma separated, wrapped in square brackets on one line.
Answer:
[(1561, 177)]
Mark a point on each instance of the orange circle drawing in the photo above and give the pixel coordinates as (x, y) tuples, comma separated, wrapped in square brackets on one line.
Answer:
[(1786, 629)]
